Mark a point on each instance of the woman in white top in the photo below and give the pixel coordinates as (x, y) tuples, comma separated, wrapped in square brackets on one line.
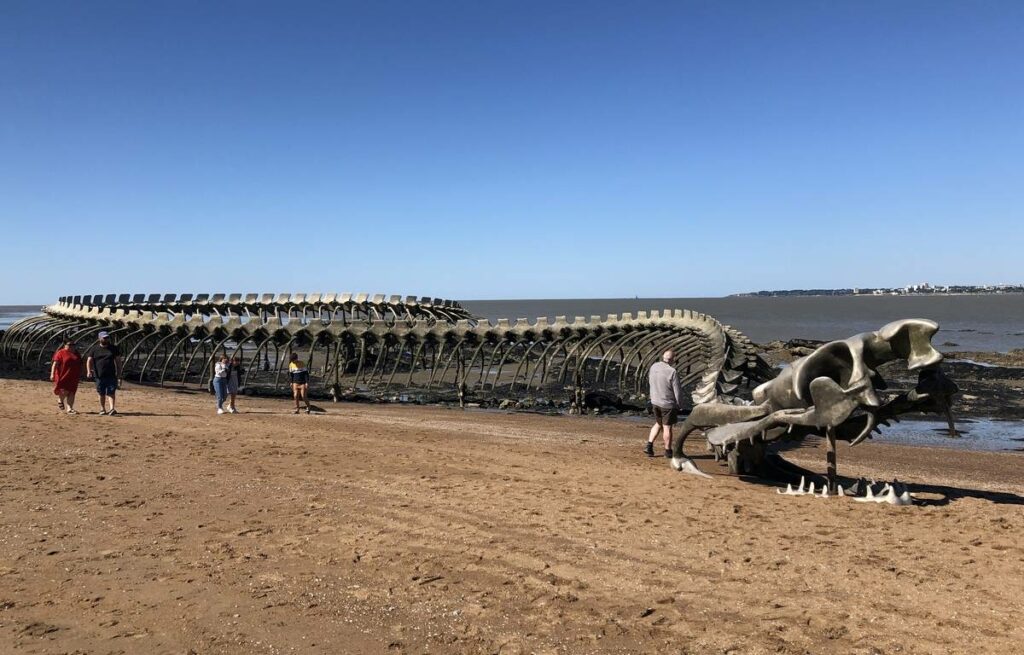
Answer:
[(220, 381)]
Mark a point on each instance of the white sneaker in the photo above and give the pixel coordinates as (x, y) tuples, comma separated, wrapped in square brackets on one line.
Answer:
[(220, 411), (233, 410)]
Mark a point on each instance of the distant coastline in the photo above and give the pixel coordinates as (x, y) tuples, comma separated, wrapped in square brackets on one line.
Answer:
[(924, 289)]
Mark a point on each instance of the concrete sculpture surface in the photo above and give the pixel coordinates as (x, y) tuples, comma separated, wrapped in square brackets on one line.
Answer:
[(432, 350), (832, 392)]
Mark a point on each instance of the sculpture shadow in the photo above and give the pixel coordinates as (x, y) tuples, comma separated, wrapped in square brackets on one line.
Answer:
[(949, 493), (779, 471)]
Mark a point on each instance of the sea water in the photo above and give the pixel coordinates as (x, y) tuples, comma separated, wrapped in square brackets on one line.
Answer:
[(11, 313), (968, 322)]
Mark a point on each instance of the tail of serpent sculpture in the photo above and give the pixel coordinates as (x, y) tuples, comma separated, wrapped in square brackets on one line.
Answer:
[(385, 346)]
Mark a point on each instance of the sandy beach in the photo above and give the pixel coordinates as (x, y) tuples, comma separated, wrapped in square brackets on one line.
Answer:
[(386, 529)]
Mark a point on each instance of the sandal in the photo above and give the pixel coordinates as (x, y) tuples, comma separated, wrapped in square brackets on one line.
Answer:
[(72, 411), (60, 405)]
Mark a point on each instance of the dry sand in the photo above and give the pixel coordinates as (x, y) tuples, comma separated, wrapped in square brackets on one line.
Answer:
[(384, 529)]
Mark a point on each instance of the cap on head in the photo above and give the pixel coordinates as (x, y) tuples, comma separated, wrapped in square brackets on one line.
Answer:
[(103, 335)]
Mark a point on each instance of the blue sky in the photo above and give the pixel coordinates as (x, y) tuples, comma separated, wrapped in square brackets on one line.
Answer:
[(508, 149)]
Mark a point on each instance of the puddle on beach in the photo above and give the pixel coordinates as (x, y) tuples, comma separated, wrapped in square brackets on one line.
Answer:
[(972, 363), (976, 434)]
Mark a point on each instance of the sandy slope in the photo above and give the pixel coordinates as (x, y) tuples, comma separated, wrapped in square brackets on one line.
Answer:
[(378, 529)]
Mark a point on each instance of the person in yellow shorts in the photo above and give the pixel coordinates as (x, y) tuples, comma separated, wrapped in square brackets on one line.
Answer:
[(300, 381)]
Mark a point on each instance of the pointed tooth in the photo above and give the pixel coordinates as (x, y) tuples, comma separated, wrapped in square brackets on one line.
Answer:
[(906, 499), (840, 491), (811, 489), (801, 487)]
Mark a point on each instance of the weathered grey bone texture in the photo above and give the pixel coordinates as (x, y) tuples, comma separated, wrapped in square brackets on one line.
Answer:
[(388, 346), (832, 392)]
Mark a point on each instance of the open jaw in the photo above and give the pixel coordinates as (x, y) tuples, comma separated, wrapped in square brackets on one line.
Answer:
[(833, 393)]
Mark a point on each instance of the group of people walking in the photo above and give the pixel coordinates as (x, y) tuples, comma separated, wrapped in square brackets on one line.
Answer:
[(227, 380), (104, 365)]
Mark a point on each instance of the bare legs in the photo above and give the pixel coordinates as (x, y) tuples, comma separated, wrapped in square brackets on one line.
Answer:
[(67, 399), (300, 392), (655, 429), (666, 435), (103, 403)]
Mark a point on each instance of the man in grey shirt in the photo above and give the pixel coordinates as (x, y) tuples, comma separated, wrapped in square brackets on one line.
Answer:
[(667, 399)]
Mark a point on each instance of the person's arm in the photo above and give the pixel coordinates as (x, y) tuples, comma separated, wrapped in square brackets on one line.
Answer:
[(88, 367), (677, 389), (53, 371)]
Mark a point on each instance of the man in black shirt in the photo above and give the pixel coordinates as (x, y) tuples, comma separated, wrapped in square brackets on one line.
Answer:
[(104, 364)]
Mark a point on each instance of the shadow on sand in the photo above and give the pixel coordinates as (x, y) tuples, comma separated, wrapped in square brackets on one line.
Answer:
[(779, 471)]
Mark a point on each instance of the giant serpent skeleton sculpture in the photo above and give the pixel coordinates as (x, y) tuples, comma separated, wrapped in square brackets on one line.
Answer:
[(436, 350), (386, 346)]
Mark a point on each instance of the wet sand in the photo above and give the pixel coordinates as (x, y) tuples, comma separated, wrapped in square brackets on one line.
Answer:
[(385, 529)]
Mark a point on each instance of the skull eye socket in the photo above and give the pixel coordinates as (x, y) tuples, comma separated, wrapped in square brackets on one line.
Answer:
[(833, 360), (911, 339)]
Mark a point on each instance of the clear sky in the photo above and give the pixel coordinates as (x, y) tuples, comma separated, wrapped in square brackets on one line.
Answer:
[(508, 149)]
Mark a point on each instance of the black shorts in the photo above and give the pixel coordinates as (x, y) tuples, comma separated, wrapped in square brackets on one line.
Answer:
[(300, 378), (665, 416)]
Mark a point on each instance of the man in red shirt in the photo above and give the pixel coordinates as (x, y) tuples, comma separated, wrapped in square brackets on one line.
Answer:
[(65, 372)]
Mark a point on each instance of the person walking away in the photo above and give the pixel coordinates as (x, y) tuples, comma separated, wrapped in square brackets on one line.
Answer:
[(667, 397), (235, 372), (104, 364), (300, 381), (220, 381), (65, 372)]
